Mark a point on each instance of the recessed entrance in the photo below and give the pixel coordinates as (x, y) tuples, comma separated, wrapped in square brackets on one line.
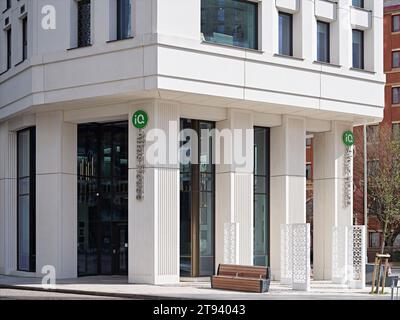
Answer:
[(103, 198), (197, 204)]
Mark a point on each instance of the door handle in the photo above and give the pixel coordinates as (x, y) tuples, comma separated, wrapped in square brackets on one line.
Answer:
[(114, 251)]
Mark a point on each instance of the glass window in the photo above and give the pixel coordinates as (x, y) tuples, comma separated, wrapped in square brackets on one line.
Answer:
[(396, 95), (396, 131), (374, 239), (24, 38), (396, 23), (26, 228), (9, 53), (323, 42), (124, 24), (231, 22), (8, 4), (396, 59), (373, 133), (308, 171), (358, 3), (261, 196), (285, 34), (84, 23), (358, 49)]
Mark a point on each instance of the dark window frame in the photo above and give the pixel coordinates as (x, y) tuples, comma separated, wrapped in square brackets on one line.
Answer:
[(32, 199), (362, 46), (84, 35), (395, 16), (25, 38), (9, 48), (328, 25), (120, 22), (290, 36), (267, 192), (256, 26), (393, 53), (398, 95), (360, 5)]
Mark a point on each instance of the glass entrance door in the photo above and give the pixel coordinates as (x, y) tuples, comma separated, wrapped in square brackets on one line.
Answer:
[(197, 179), (102, 198)]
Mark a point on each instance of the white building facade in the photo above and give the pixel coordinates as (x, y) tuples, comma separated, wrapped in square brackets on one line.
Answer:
[(72, 75)]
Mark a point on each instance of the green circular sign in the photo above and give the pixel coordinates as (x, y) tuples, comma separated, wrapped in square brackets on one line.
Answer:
[(140, 119), (348, 138)]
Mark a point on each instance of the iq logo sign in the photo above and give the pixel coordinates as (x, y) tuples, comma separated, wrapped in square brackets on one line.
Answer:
[(140, 119), (348, 138)]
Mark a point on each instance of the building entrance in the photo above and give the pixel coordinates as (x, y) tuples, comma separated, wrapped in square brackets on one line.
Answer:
[(103, 198)]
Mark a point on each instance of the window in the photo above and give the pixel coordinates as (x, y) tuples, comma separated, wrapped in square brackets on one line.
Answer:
[(373, 134), (374, 239), (396, 95), (9, 49), (358, 49), (309, 142), (396, 131), (372, 167), (24, 38), (26, 217), (8, 5), (308, 171), (396, 59), (261, 196), (396, 23), (231, 22), (285, 34), (124, 24), (323, 45), (84, 23), (358, 3)]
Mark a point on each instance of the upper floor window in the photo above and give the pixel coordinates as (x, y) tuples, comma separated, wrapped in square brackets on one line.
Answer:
[(396, 23), (231, 22), (285, 34), (396, 95), (323, 45), (358, 49), (8, 5), (373, 134), (9, 48), (396, 131), (124, 22), (396, 59), (25, 38), (358, 3), (84, 23)]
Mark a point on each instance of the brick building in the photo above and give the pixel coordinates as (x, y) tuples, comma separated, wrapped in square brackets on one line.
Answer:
[(391, 117)]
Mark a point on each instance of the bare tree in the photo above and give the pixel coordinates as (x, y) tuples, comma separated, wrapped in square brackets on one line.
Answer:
[(383, 183)]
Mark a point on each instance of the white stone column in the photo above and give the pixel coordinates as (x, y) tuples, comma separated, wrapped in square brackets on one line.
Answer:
[(154, 220), (8, 200), (56, 194), (330, 209), (234, 187), (288, 182)]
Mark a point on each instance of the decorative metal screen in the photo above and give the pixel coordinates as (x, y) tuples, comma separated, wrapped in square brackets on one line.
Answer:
[(231, 245), (84, 23), (339, 254), (356, 257), (286, 254), (301, 269)]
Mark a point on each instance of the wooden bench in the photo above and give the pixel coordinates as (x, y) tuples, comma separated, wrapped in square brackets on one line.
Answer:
[(241, 278)]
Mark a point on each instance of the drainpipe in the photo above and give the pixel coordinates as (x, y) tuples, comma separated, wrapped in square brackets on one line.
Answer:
[(365, 190)]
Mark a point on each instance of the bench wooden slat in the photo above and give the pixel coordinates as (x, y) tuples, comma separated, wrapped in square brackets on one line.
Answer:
[(241, 278)]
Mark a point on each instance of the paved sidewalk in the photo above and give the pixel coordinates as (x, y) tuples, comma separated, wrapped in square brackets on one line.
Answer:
[(117, 286)]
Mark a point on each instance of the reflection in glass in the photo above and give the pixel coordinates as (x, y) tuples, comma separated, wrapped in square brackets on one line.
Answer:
[(261, 196), (102, 196), (26, 224)]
